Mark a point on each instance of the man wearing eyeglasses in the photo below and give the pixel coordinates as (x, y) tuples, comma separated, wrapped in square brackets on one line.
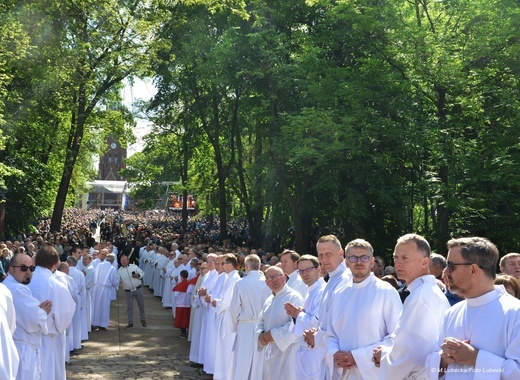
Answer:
[(307, 363), (31, 316), (277, 342), (418, 326), (367, 302), (45, 286), (479, 336)]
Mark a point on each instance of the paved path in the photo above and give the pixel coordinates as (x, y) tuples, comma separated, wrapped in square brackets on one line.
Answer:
[(144, 353)]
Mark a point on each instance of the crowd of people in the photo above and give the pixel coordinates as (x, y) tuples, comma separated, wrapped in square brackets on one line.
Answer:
[(253, 314)]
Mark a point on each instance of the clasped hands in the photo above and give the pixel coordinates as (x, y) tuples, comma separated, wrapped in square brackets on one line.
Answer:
[(265, 338), (458, 351), (308, 337), (344, 359)]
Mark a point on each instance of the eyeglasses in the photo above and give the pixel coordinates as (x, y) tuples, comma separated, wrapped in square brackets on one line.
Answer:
[(24, 267), (451, 266), (271, 278), (306, 270), (354, 259)]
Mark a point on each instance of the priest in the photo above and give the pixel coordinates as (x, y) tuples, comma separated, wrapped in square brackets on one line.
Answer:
[(480, 336), (277, 343)]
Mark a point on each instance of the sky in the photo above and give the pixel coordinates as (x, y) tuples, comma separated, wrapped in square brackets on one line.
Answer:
[(141, 89)]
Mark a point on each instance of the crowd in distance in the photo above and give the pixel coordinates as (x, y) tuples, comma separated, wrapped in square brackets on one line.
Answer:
[(253, 314)]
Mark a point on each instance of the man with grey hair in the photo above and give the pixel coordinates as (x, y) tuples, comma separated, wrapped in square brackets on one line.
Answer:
[(249, 295), (510, 264), (437, 265), (480, 336), (416, 332), (275, 339), (175, 249)]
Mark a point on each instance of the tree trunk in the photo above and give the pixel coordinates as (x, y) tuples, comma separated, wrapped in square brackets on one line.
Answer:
[(184, 178), (301, 230), (445, 142), (77, 126)]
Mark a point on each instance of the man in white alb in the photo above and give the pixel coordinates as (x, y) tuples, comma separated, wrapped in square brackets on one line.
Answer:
[(212, 319), (289, 264), (331, 258), (88, 270), (225, 337), (196, 310), (81, 307), (249, 296), (277, 342), (207, 285), (307, 363), (31, 316), (45, 286), (416, 333), (363, 314), (9, 359), (105, 280), (480, 336)]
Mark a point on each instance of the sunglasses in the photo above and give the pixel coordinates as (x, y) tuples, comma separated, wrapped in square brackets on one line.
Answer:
[(24, 267), (451, 266)]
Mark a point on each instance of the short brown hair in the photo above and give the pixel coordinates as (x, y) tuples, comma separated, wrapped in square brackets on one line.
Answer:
[(478, 250), (508, 280), (294, 256), (47, 257), (313, 259), (230, 259)]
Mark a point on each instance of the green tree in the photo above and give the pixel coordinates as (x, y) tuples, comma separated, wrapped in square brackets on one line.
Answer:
[(103, 42)]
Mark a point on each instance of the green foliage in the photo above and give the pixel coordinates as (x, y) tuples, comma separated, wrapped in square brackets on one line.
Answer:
[(362, 118), (28, 192)]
